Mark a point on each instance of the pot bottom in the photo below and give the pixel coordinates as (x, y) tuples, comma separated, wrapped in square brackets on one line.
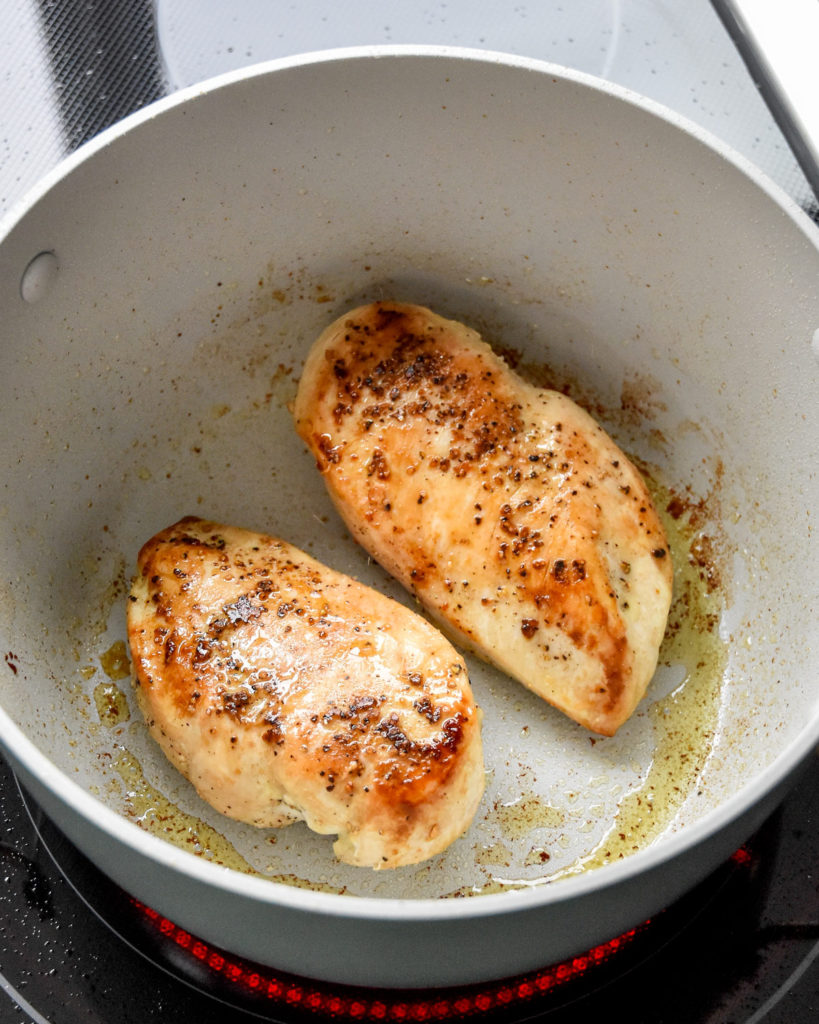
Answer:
[(729, 904)]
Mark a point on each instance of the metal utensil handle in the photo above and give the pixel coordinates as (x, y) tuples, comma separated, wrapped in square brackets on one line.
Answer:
[(778, 42)]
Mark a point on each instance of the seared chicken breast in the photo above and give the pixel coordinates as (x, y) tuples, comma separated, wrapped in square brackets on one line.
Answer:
[(509, 512), (284, 690)]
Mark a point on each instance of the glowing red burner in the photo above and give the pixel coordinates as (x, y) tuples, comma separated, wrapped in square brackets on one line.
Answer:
[(357, 1005), (268, 992)]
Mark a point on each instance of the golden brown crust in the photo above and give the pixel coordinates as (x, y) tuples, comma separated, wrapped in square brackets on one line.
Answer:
[(505, 508), (252, 659)]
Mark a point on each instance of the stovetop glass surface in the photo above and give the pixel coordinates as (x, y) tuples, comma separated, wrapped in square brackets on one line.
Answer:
[(750, 953), (743, 949)]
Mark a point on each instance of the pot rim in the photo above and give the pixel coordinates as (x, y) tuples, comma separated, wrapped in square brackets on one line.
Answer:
[(398, 909), (392, 51), (27, 754)]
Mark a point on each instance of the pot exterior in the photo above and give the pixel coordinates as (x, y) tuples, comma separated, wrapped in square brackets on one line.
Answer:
[(379, 951), (197, 251)]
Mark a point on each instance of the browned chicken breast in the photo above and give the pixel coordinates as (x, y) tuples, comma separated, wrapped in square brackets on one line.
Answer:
[(284, 691), (504, 507)]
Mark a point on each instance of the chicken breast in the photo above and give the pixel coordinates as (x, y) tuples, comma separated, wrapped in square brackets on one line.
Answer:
[(285, 691), (505, 508)]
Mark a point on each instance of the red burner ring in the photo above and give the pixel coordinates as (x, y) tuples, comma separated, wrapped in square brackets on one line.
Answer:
[(362, 1005), (272, 992)]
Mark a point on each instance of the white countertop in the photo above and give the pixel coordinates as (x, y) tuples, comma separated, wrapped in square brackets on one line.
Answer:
[(676, 52)]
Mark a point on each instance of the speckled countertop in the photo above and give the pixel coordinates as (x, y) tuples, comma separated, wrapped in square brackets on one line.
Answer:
[(71, 68)]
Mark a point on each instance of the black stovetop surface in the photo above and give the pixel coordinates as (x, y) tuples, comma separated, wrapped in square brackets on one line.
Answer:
[(743, 949)]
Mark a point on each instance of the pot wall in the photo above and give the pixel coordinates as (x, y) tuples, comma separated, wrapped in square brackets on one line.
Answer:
[(201, 246)]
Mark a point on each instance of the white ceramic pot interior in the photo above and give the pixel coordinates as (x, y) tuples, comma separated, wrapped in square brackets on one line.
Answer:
[(198, 251)]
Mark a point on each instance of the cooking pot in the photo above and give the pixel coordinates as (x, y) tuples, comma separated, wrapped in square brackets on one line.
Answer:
[(159, 292)]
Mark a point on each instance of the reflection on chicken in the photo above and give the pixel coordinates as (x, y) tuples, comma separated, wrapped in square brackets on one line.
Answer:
[(285, 691), (505, 508)]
